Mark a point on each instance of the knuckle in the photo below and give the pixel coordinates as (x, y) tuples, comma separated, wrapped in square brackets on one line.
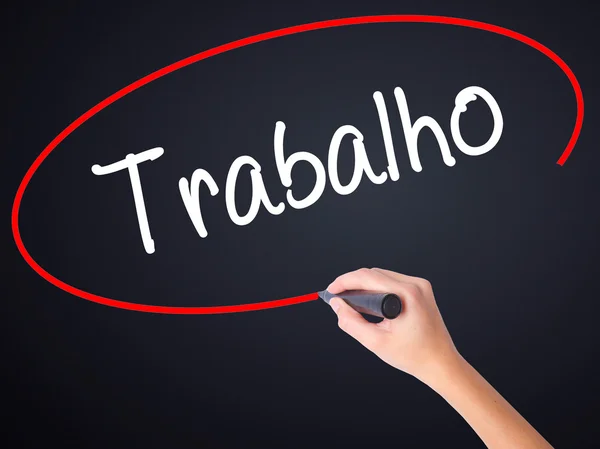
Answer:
[(364, 270), (425, 285), (412, 291)]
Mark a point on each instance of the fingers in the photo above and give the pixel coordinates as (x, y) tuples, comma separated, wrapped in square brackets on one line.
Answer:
[(397, 276), (350, 321), (374, 280), (363, 279), (423, 284)]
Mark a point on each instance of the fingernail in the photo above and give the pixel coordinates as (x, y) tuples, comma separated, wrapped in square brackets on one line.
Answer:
[(334, 303)]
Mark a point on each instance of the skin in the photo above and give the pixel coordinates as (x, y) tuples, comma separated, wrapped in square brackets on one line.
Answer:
[(418, 343)]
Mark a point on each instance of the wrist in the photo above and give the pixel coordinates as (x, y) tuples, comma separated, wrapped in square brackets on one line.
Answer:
[(444, 370)]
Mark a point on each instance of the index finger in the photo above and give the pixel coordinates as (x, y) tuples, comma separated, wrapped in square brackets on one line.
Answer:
[(363, 279)]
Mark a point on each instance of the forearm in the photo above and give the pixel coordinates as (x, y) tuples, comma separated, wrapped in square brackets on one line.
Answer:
[(496, 422), (418, 343)]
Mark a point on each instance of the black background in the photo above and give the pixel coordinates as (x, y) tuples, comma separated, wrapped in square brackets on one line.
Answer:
[(508, 239)]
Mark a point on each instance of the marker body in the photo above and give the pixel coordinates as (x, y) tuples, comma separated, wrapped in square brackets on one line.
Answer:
[(383, 305)]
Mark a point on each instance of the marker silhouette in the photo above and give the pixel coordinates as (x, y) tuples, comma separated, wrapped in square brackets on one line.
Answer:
[(383, 305)]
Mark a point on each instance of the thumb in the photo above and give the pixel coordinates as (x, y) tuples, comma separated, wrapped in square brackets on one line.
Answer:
[(352, 322)]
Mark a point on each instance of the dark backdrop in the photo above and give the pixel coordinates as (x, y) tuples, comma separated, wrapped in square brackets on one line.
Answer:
[(508, 239)]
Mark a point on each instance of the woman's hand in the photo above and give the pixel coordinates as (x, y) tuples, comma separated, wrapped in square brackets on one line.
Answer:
[(417, 341)]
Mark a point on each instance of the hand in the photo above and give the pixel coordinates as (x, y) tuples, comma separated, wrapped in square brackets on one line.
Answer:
[(417, 341)]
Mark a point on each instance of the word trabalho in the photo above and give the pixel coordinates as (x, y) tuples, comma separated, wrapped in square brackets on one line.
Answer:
[(190, 190)]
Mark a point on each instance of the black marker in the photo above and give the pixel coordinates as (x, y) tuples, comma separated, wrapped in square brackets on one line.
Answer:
[(383, 305)]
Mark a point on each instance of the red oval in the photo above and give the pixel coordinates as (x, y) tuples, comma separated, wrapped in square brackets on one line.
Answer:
[(231, 46)]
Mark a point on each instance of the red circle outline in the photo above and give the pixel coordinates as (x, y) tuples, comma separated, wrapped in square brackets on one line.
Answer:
[(231, 46)]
